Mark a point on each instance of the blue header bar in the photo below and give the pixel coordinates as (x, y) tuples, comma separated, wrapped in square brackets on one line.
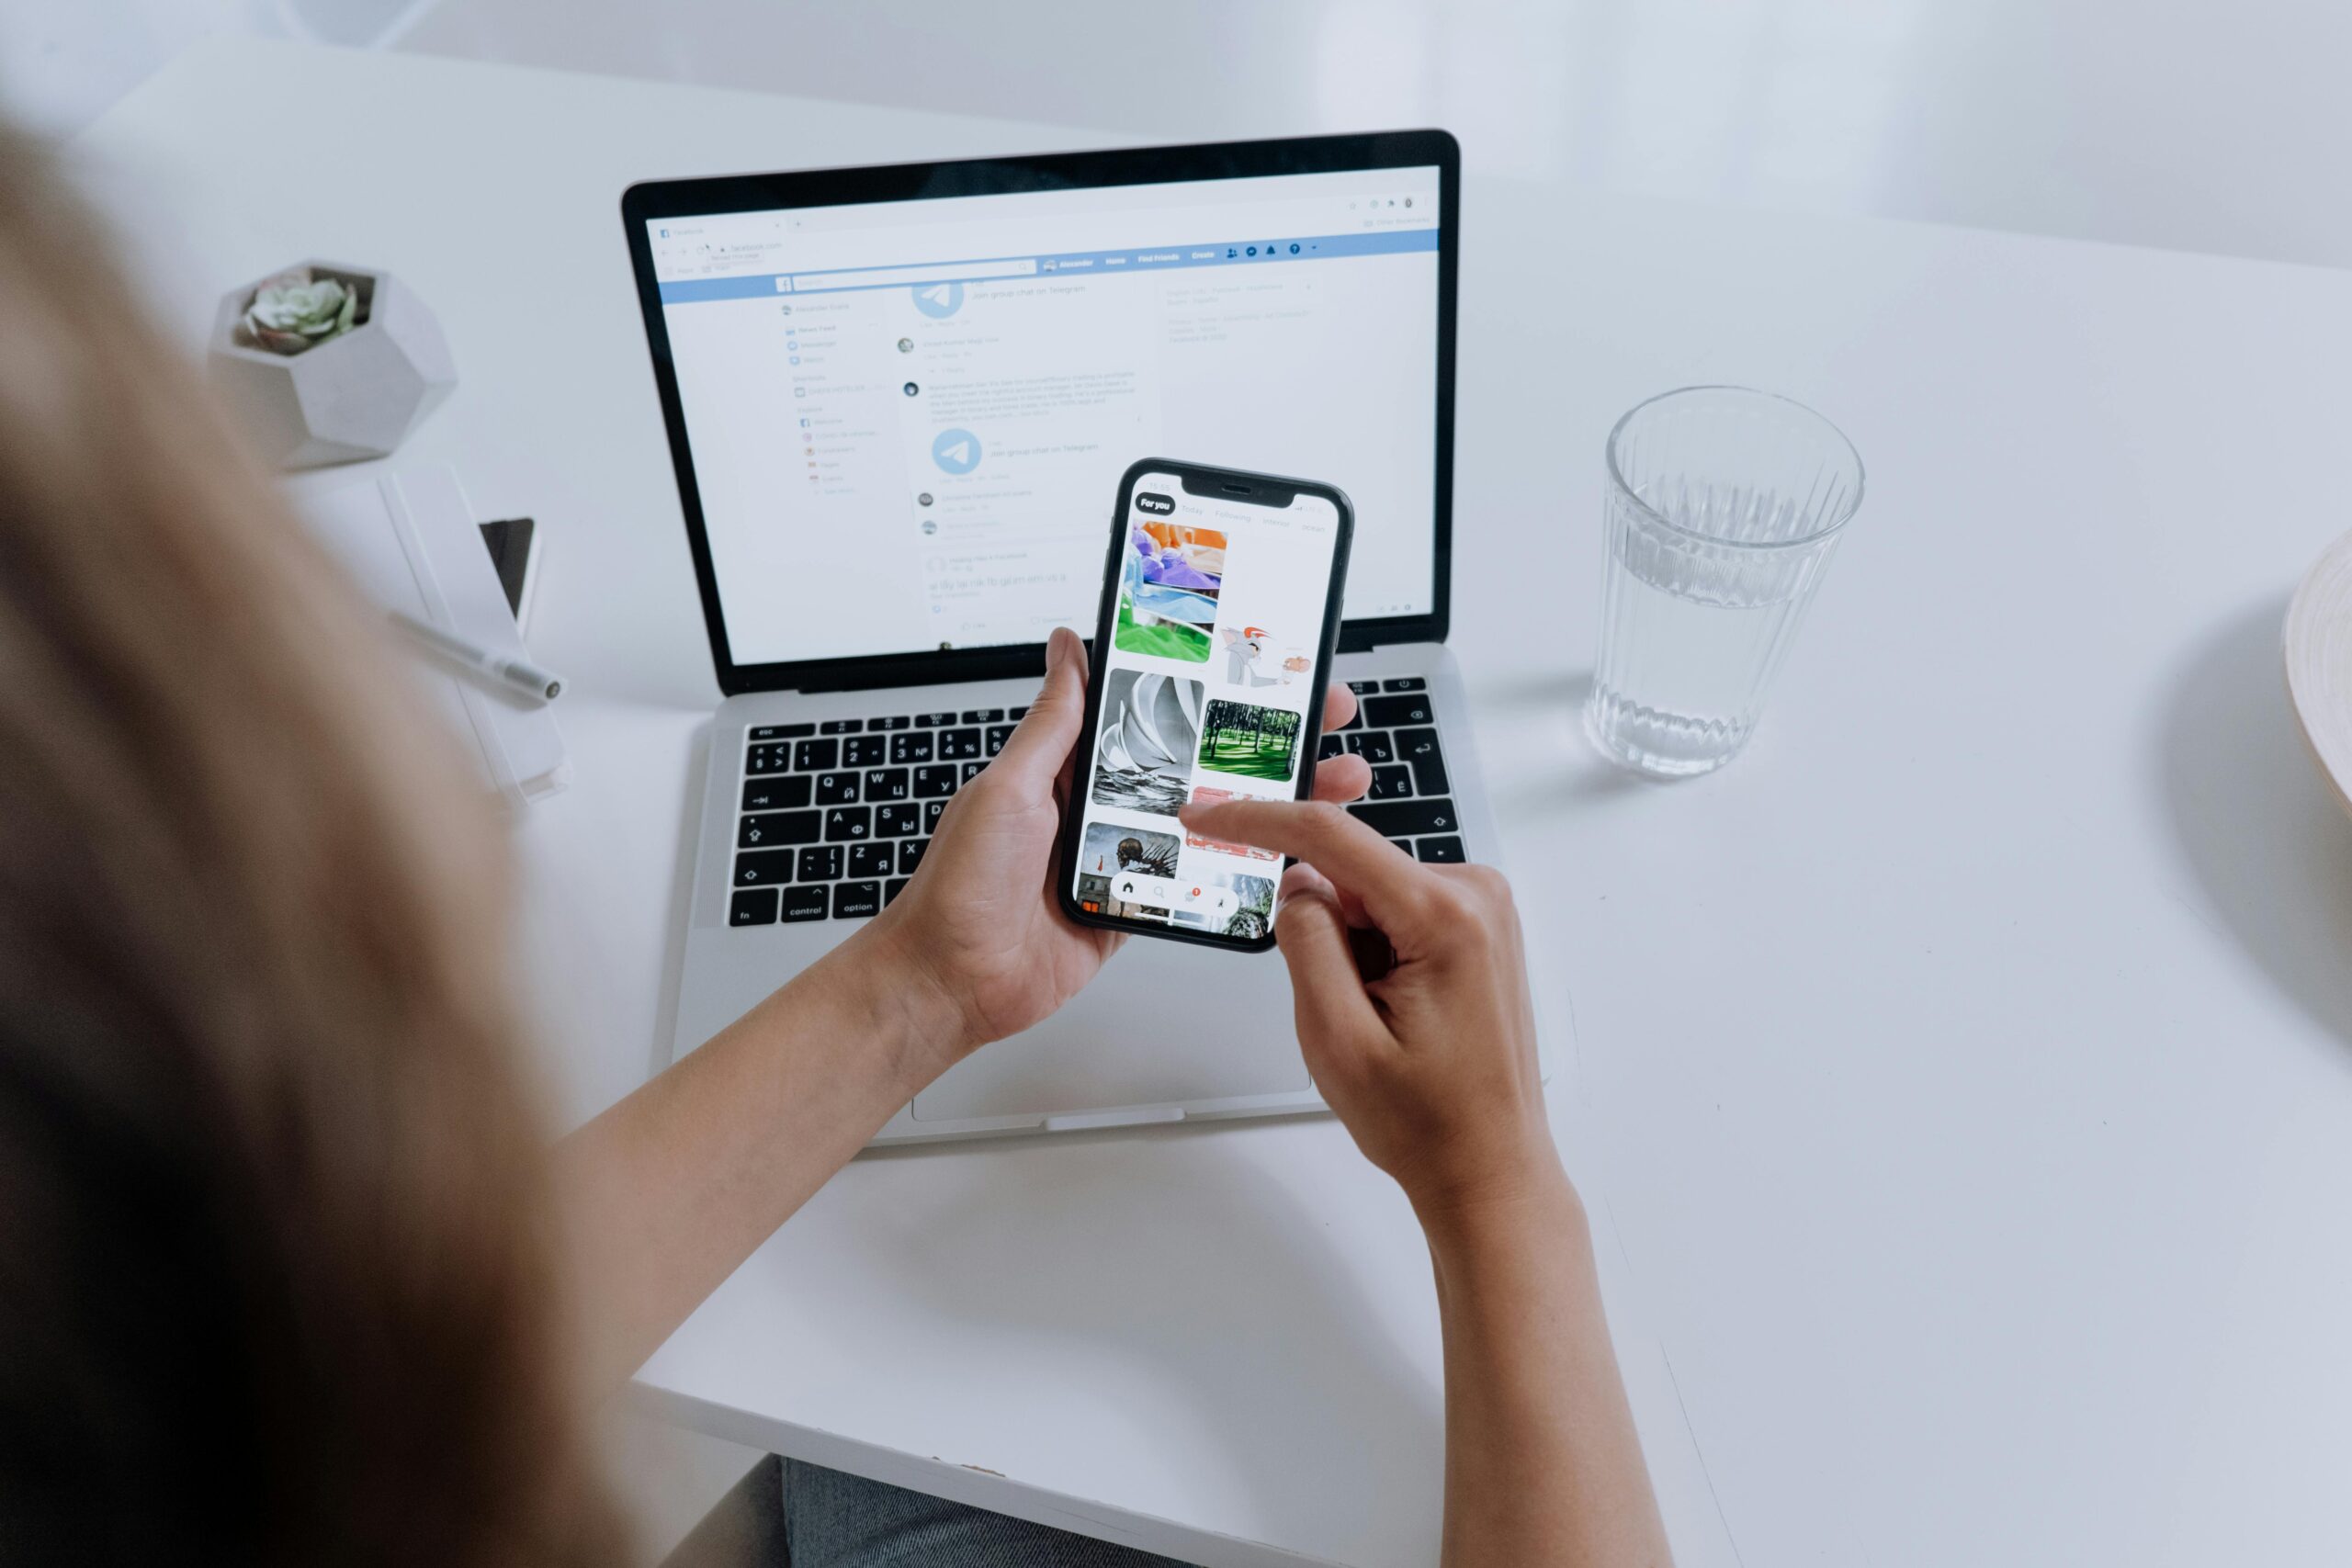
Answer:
[(1024, 269)]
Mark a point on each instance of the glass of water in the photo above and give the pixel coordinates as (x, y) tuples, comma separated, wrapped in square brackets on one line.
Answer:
[(1724, 507)]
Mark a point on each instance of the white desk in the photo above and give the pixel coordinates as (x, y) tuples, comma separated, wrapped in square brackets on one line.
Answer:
[(1965, 1075)]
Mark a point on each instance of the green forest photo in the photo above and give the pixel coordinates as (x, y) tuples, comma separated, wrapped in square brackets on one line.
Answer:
[(1250, 741)]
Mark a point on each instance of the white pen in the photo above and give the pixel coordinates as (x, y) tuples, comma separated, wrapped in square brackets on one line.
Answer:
[(508, 670)]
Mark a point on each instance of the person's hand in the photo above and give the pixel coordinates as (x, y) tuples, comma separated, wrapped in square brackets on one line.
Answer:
[(1413, 1011), (978, 933)]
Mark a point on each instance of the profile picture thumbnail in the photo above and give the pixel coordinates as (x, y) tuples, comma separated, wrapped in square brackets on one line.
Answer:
[(1168, 593)]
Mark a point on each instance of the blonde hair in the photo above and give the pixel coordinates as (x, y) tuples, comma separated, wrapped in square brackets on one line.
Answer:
[(275, 1284)]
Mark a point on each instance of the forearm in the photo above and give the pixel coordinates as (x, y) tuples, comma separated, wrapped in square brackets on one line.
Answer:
[(663, 1196), (1542, 1461)]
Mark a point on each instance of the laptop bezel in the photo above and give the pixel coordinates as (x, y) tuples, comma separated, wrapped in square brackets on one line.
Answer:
[(719, 193)]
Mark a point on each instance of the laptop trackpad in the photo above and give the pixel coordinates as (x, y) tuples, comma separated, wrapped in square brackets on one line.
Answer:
[(1165, 1022)]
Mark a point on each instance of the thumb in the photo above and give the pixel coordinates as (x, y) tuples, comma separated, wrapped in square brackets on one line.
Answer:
[(1041, 742)]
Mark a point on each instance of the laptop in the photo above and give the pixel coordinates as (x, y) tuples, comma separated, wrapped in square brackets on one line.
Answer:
[(900, 401)]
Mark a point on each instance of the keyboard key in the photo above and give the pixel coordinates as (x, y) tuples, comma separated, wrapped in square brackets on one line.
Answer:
[(1371, 745), (1418, 747), (807, 903), (864, 750), (837, 789), (820, 862), (891, 889), (1328, 747), (768, 759), (886, 784), (1355, 719), (931, 814), (752, 906), (841, 726), (1391, 782), (763, 868), (771, 830), (872, 859), (815, 756), (1405, 683), (1361, 687), (910, 748), (781, 731), (983, 716), (935, 781), (848, 822), (1387, 713), (1444, 851), (778, 828), (910, 854), (896, 821), (957, 745), (855, 900), (1016, 715), (783, 793), (998, 734), (972, 771), (933, 720), (1407, 818), (901, 722)]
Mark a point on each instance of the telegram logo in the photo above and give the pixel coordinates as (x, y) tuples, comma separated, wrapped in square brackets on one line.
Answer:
[(939, 300), (955, 451)]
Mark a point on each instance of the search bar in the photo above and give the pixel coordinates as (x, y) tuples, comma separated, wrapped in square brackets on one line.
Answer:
[(877, 276)]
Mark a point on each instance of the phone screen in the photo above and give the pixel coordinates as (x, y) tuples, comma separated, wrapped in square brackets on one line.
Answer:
[(1209, 690)]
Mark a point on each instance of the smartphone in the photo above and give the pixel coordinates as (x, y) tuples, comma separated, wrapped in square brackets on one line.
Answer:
[(1212, 652)]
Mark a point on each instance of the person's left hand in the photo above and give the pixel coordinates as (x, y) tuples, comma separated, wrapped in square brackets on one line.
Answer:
[(979, 930)]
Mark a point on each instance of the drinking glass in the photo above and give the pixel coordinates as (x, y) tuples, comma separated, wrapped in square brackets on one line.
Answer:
[(1723, 506)]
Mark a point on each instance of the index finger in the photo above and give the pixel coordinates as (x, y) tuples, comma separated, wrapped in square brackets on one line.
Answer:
[(1338, 706), (1392, 886)]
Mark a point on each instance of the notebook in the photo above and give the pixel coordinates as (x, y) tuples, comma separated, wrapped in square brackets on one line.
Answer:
[(410, 541)]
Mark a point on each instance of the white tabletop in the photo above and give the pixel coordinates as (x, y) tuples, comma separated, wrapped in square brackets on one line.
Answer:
[(1962, 1079)]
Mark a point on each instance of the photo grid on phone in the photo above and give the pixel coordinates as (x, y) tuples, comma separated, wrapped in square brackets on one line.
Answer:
[(1208, 683)]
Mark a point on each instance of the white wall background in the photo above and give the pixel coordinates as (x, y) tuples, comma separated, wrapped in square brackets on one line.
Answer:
[(2193, 124)]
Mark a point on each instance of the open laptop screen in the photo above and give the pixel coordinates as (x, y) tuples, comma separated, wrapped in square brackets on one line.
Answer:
[(907, 419)]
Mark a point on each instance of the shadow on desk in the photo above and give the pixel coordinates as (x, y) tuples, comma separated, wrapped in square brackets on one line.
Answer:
[(1315, 1411), (2271, 847)]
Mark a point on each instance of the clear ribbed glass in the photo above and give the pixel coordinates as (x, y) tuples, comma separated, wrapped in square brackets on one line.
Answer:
[(1723, 509)]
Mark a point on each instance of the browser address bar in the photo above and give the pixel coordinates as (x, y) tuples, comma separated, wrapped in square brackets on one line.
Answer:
[(952, 272)]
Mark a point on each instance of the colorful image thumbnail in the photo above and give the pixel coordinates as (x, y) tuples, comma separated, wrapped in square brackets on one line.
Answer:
[(1208, 794), (1253, 914), (1254, 658), (1168, 590), (1249, 740), (1150, 724)]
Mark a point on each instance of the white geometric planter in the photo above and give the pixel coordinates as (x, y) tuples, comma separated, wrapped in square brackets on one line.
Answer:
[(352, 397)]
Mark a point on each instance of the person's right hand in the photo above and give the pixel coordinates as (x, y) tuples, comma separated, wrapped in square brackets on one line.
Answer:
[(1413, 1011)]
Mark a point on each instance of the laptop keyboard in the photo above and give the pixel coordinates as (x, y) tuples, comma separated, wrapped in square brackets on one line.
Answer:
[(836, 814)]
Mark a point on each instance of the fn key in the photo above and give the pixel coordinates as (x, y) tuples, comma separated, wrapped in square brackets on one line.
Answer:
[(752, 906)]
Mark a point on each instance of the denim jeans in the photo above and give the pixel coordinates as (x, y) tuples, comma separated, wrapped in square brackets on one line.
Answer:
[(790, 1515)]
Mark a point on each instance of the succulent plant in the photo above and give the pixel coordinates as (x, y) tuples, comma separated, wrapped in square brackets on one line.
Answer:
[(294, 311)]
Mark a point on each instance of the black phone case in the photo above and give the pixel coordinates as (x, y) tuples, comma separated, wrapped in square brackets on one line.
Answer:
[(1196, 478)]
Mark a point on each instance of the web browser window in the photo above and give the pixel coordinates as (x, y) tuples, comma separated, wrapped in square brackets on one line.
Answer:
[(907, 418), (1207, 688)]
